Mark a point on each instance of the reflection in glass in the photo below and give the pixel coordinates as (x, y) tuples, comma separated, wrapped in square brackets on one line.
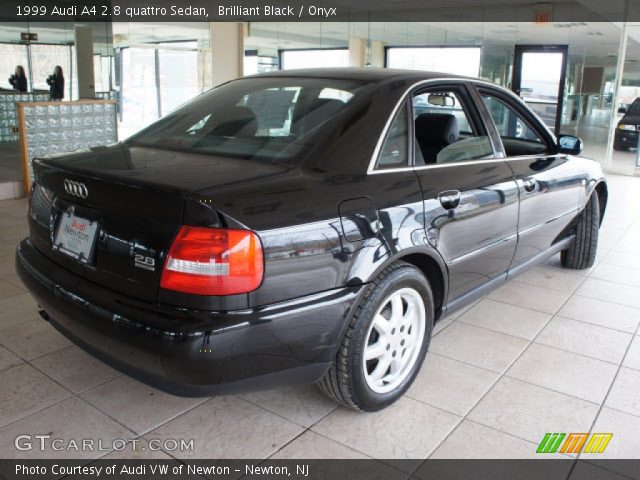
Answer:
[(10, 56)]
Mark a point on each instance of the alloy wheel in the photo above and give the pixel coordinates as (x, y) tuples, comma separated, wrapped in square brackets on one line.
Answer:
[(394, 339)]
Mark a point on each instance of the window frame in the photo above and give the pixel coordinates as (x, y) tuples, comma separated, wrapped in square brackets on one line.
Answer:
[(472, 115), (471, 86), (470, 110), (530, 120)]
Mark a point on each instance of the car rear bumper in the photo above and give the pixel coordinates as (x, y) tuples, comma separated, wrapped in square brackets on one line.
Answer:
[(188, 352)]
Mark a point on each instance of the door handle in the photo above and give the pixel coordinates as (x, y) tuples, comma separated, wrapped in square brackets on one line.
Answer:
[(450, 199), (530, 184)]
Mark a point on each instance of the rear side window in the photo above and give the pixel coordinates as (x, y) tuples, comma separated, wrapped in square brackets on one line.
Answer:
[(271, 119), (395, 149)]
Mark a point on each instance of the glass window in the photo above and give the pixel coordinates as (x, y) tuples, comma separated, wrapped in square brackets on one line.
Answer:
[(44, 58), (72, 82), (456, 60), (260, 119), (178, 84), (157, 79), (139, 100), (517, 136), (338, 57), (444, 132), (10, 56), (394, 153), (103, 71), (540, 76)]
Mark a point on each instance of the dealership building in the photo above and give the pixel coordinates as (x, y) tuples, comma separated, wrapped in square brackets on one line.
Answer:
[(577, 75), (551, 351)]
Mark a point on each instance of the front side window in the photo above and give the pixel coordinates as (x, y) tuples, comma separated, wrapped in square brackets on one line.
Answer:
[(263, 119), (517, 135), (444, 131)]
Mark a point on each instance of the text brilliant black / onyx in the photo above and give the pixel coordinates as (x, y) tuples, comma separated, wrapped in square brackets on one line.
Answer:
[(274, 11), (264, 10)]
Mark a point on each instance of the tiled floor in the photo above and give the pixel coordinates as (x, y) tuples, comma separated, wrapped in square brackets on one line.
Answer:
[(554, 350)]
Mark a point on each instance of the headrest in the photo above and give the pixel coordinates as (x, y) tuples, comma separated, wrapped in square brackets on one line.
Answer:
[(237, 121), (319, 111), (437, 129)]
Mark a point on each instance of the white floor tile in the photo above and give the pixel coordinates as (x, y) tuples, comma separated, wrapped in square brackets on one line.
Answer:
[(564, 372)]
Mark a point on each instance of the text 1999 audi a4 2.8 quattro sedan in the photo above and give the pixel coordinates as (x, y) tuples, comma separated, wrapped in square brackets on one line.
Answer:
[(303, 226)]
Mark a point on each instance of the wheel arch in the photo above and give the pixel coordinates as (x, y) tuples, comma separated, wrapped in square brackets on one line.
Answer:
[(602, 191), (435, 275), (431, 265)]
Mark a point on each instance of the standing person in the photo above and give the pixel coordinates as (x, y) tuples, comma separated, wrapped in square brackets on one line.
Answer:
[(56, 83), (19, 80)]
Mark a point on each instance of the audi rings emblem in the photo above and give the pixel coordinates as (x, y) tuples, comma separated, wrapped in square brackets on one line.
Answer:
[(76, 189)]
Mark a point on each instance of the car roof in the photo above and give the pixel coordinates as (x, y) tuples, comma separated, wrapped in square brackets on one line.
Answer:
[(364, 74)]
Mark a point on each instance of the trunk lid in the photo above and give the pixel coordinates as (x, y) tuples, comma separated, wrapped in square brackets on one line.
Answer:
[(137, 197)]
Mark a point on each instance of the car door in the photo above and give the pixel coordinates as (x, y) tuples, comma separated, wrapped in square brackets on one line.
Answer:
[(470, 196), (548, 185)]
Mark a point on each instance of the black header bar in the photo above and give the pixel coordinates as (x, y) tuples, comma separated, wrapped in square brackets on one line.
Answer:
[(547, 469), (558, 11)]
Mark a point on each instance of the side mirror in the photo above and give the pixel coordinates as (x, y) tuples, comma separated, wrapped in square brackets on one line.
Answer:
[(622, 110), (569, 144)]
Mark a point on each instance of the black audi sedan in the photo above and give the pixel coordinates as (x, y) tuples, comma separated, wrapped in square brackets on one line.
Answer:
[(303, 226), (628, 127)]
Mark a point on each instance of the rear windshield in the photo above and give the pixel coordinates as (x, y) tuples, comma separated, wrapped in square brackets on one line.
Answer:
[(271, 119)]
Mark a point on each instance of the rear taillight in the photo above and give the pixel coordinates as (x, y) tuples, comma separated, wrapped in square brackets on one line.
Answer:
[(213, 261)]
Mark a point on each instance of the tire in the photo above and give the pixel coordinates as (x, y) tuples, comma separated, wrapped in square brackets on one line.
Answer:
[(582, 252), (367, 385)]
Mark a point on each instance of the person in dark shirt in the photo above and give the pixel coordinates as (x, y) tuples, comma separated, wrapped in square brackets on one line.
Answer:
[(19, 80), (56, 84)]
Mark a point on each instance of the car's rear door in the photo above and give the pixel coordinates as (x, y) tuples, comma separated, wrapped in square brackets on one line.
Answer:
[(470, 196), (548, 185)]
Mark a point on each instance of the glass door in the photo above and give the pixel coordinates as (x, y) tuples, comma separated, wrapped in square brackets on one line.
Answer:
[(539, 73)]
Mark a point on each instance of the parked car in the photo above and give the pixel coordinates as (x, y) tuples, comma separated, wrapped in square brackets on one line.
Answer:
[(626, 135), (303, 226)]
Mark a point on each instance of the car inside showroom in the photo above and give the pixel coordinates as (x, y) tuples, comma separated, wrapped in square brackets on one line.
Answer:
[(339, 239)]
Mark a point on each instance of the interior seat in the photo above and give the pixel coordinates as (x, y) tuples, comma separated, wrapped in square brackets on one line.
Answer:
[(319, 111), (435, 131), (234, 122)]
